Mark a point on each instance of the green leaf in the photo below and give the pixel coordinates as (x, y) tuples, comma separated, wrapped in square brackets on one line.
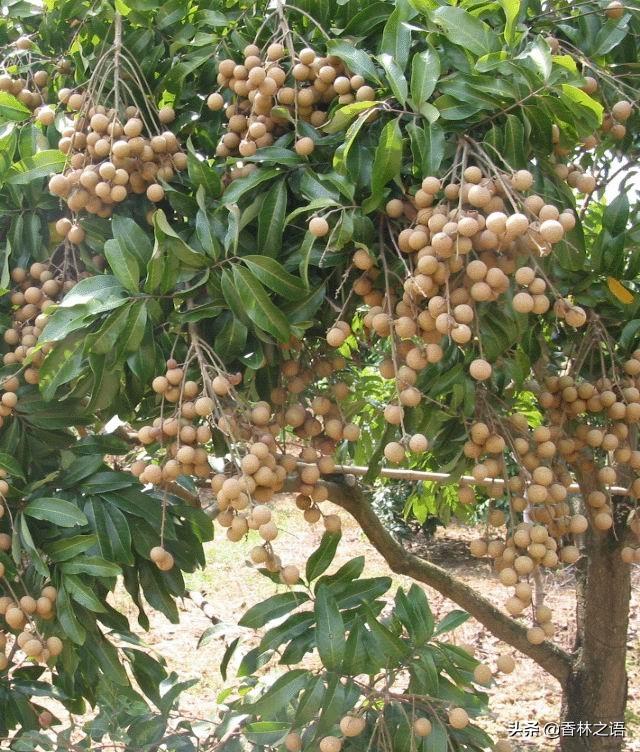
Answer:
[(11, 465), (425, 72), (330, 638), (514, 152), (132, 238), (275, 277), (231, 339), (451, 621), (466, 30), (62, 364), (357, 60), (57, 511), (95, 566), (427, 147), (266, 733), (279, 694), (272, 608), (388, 159), (112, 529), (346, 114), (352, 594), (68, 548), (104, 340), (321, 558), (271, 220), (357, 659), (236, 190), (259, 307), (616, 215), (201, 173), (395, 77), (40, 165), (95, 292), (123, 264), (11, 108), (81, 593), (396, 37), (171, 243), (511, 10), (67, 618), (390, 647), (8, 142), (576, 99)]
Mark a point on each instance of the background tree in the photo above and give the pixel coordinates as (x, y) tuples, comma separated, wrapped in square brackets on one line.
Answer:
[(317, 240)]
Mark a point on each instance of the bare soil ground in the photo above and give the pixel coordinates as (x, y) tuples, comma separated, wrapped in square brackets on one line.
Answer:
[(231, 585)]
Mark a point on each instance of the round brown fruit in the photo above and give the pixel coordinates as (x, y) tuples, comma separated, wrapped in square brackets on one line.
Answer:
[(319, 227)]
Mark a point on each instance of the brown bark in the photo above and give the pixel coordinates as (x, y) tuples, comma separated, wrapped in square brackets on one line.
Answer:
[(595, 691), (551, 658)]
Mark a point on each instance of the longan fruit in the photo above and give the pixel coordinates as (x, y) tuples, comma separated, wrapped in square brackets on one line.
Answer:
[(482, 674), (536, 635), (458, 718), (304, 146), (166, 115), (422, 727), (330, 744), (15, 618), (614, 10), (319, 227), (480, 369), (292, 742), (622, 110), (76, 234)]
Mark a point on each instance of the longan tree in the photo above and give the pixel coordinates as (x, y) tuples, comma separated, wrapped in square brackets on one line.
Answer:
[(231, 225)]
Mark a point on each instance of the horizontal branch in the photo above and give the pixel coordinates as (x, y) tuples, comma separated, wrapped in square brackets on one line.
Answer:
[(400, 473), (551, 658)]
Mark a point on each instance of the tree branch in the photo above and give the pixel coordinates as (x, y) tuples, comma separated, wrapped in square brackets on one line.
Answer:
[(551, 658)]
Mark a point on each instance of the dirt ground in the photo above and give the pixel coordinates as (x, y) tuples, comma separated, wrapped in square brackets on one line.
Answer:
[(230, 585)]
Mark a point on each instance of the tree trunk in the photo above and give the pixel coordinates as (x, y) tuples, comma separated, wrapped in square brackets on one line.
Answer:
[(595, 692)]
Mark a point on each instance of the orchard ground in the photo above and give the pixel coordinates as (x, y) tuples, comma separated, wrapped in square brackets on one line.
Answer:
[(231, 585)]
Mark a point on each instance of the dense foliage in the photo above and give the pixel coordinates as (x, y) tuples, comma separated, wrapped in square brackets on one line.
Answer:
[(296, 238)]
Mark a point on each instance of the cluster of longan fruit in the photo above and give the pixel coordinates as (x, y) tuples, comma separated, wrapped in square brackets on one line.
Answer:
[(530, 546), (305, 87), (36, 290), (111, 158), (353, 725), (614, 122), (597, 418), (463, 246), (20, 619), (30, 90)]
